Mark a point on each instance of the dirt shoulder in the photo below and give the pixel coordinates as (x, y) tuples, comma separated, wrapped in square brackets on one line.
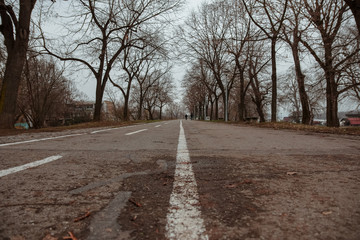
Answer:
[(354, 131)]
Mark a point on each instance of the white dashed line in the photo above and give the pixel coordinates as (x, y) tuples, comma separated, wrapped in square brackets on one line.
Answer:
[(106, 130), (29, 165), (184, 216), (158, 126), (131, 133), (39, 140)]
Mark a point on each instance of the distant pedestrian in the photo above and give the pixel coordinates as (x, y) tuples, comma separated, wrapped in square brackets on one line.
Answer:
[(191, 116), (186, 116)]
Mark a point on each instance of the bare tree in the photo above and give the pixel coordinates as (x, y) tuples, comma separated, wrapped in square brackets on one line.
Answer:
[(292, 35), (104, 30), (271, 26), (15, 30), (149, 79), (213, 95), (205, 37), (290, 95), (197, 88), (174, 111), (117, 109), (352, 76), (333, 50), (165, 94), (240, 34), (259, 86), (46, 92), (145, 66)]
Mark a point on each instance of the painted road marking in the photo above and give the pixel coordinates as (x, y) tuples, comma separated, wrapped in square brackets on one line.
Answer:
[(131, 133), (29, 165), (39, 140), (184, 216), (158, 126), (108, 129)]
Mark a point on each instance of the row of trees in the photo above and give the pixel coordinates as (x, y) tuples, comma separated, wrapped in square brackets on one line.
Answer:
[(235, 45), (122, 42)]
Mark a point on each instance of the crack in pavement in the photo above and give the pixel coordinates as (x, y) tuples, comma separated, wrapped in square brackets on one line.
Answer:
[(104, 224)]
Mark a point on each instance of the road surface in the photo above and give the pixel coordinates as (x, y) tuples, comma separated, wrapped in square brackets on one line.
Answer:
[(180, 180)]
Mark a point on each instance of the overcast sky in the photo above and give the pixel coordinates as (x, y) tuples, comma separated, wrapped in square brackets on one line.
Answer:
[(179, 69)]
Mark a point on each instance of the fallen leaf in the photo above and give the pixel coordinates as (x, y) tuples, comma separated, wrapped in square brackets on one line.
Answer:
[(135, 203), (247, 181), (291, 173), (327, 213), (71, 237), (82, 217)]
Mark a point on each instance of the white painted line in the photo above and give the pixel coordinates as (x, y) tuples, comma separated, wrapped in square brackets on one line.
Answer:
[(184, 216), (39, 140), (29, 165), (158, 126), (108, 129), (142, 130)]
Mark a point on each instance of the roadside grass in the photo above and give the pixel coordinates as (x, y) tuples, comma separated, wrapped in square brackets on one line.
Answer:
[(308, 128), (9, 132)]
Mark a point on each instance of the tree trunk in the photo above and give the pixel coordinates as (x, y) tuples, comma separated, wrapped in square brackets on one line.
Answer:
[(151, 114), (16, 49), (242, 96), (126, 108), (10, 87), (257, 98), (98, 102), (211, 110), (126, 102), (355, 9), (332, 119), (226, 110), (306, 114), (216, 108), (274, 81), (141, 102), (160, 114)]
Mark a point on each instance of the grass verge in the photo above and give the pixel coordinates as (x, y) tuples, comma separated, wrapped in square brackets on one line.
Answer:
[(10, 132), (308, 128)]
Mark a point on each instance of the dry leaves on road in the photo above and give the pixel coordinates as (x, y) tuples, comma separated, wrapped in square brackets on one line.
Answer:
[(71, 237), (82, 217), (135, 203)]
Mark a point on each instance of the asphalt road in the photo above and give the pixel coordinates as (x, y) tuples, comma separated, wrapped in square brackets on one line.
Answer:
[(172, 180)]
